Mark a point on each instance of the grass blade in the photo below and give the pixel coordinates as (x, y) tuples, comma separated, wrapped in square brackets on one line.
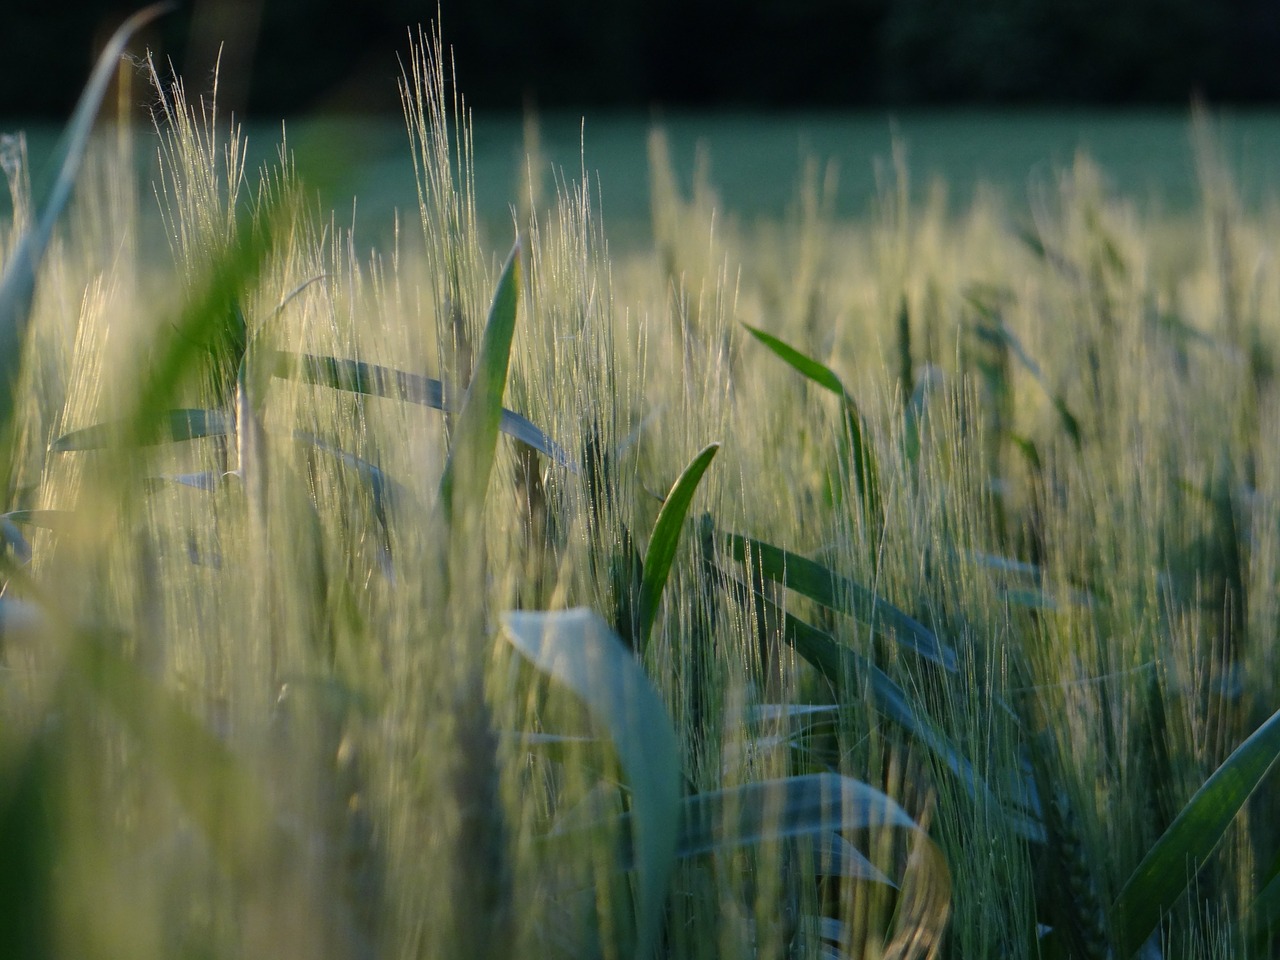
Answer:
[(206, 480), (818, 583), (578, 650), (848, 671), (45, 519), (816, 806), (374, 380), (356, 376), (865, 469), (188, 342), (12, 538), (1264, 912), (471, 454), (819, 373), (1069, 421), (994, 329), (666, 537), (778, 809), (1174, 859), (385, 492), (17, 286), (852, 675), (172, 426)]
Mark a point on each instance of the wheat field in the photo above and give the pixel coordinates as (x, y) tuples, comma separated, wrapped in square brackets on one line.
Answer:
[(894, 588)]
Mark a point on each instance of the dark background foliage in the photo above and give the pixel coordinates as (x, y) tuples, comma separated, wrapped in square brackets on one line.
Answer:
[(284, 57)]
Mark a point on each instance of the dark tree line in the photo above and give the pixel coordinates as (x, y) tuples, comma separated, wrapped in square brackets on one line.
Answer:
[(287, 56)]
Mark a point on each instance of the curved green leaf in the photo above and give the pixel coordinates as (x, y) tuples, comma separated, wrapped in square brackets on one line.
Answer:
[(171, 426), (1172, 863), (850, 673), (385, 491), (356, 376), (17, 285), (666, 537), (466, 471), (864, 464), (814, 806), (374, 380), (14, 539), (577, 649), (838, 593), (778, 809), (206, 480), (1068, 419), (819, 373)]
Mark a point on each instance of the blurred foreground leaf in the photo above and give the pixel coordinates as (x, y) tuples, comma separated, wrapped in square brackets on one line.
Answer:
[(577, 649), (214, 787), (17, 285)]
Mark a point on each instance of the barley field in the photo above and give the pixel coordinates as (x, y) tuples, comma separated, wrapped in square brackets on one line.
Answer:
[(801, 587)]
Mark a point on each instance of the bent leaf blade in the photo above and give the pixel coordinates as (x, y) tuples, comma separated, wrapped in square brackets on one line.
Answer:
[(1174, 860), (577, 649)]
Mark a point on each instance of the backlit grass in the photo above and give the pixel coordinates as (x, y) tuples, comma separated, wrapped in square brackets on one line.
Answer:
[(894, 588)]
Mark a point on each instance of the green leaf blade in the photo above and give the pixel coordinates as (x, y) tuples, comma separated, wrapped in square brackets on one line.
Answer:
[(1172, 862), (865, 470), (171, 426), (374, 380), (666, 538), (186, 344), (815, 806), (797, 806), (356, 376), (471, 457), (811, 579), (854, 676), (819, 373)]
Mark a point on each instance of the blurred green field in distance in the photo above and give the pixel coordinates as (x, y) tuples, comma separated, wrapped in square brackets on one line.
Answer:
[(755, 161)]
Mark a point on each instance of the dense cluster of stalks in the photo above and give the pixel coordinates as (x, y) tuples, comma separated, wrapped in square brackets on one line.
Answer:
[(891, 589)]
